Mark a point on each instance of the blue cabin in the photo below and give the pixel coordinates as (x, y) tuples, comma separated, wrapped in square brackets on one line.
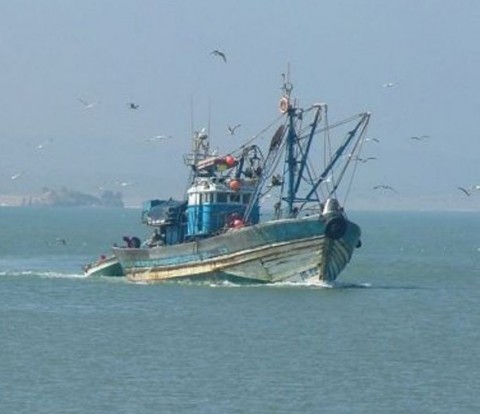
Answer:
[(216, 204)]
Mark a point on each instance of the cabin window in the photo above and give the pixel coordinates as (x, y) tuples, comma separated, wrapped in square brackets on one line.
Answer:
[(207, 198), (235, 198), (221, 197), (246, 198)]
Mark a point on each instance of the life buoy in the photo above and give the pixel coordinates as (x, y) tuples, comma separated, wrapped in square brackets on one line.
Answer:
[(335, 228), (283, 105)]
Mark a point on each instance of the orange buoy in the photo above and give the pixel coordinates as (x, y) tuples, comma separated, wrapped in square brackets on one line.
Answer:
[(230, 160), (234, 185)]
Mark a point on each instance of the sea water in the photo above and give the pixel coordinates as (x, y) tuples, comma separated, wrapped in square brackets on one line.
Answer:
[(398, 333)]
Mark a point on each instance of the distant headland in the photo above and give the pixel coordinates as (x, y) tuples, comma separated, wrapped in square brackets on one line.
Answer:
[(64, 198)]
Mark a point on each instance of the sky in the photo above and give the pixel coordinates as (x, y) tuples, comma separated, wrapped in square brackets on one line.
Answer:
[(56, 55)]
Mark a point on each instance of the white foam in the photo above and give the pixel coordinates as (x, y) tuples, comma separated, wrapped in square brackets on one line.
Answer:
[(41, 274)]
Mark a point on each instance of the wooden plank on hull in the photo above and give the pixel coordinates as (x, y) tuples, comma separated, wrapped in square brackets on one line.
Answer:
[(223, 263)]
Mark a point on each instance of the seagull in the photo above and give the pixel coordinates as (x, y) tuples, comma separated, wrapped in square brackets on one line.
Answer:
[(133, 105), (17, 175), (219, 54), (464, 190), (372, 139), (124, 183), (42, 145), (158, 138), (419, 138), (87, 105), (384, 187), (231, 130), (389, 85), (59, 240), (364, 160)]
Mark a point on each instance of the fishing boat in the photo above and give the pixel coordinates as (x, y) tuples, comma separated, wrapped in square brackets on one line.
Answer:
[(104, 266), (260, 213)]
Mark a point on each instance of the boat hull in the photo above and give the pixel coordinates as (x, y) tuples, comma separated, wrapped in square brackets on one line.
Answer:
[(271, 252), (108, 266)]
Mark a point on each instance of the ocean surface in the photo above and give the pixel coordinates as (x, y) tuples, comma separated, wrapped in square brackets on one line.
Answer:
[(398, 333)]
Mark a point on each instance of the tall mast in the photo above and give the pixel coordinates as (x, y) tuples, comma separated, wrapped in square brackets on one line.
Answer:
[(290, 144), (291, 161)]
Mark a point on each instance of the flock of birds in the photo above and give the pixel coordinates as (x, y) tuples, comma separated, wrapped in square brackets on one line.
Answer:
[(134, 107), (468, 191), (44, 144)]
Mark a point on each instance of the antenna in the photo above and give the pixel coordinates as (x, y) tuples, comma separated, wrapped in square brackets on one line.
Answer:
[(192, 131), (287, 85), (209, 116)]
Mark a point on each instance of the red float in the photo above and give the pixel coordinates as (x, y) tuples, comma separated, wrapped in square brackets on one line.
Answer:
[(235, 185), (230, 160)]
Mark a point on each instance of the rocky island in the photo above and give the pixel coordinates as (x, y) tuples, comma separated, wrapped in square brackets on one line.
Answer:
[(68, 198)]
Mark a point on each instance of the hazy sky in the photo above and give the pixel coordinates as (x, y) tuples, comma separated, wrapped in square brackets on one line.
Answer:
[(54, 53)]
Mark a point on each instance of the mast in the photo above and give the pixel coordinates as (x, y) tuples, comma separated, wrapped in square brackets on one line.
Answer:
[(290, 145), (291, 161)]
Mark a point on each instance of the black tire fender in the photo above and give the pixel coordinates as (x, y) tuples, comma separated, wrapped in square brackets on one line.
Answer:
[(335, 227)]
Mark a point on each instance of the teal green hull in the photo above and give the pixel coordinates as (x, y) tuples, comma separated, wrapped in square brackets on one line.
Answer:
[(108, 266)]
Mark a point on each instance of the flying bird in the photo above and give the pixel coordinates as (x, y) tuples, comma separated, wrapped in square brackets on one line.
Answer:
[(231, 130), (464, 190), (42, 144), (372, 139), (133, 105), (364, 160), (219, 54), (17, 175), (419, 138), (87, 105), (124, 183), (384, 187), (58, 240), (158, 138), (389, 85)]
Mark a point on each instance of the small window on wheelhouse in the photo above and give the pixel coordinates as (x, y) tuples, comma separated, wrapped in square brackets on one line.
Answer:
[(222, 197), (235, 197), (207, 197)]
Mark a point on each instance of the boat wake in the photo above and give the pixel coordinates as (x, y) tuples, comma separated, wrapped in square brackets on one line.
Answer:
[(345, 285), (325, 285), (300, 285), (41, 274)]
